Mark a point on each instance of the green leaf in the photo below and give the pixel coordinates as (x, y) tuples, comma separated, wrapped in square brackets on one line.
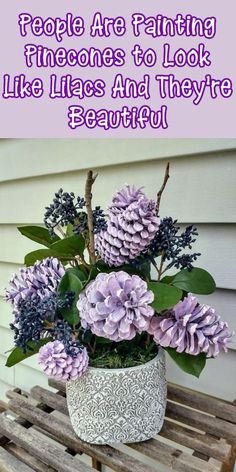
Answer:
[(166, 296), (80, 272), (190, 364), (38, 255), (70, 283), (69, 230), (196, 281), (38, 234), (18, 355), (168, 279), (102, 341), (72, 246)]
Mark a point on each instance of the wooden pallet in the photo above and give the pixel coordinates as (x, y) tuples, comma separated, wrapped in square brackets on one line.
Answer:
[(199, 435)]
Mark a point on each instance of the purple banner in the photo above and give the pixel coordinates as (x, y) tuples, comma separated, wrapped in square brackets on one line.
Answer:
[(125, 69)]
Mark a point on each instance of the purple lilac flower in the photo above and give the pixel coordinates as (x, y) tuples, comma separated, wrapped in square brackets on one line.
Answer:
[(116, 306), (56, 363), (132, 225), (42, 278), (191, 328)]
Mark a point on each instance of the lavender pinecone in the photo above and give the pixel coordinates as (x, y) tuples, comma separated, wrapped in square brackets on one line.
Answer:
[(191, 328), (42, 278), (56, 363), (132, 225), (116, 306)]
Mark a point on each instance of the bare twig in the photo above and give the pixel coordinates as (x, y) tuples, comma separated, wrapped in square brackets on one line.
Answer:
[(160, 270), (88, 203), (159, 194)]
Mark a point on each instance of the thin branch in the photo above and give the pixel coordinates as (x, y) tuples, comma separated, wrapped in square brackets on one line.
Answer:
[(88, 203), (159, 194), (160, 270)]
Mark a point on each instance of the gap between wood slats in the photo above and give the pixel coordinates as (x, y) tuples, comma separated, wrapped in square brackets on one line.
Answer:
[(178, 434), (64, 434)]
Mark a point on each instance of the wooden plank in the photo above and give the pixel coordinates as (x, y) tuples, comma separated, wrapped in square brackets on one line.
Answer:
[(21, 421), (40, 448), (206, 423), (49, 398), (57, 385), (187, 416), (27, 458), (202, 402), (9, 463), (3, 406), (200, 442), (63, 432), (179, 434), (173, 458), (96, 464)]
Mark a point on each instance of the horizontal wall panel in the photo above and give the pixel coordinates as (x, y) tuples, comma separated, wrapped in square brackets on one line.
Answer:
[(216, 243), (15, 245), (7, 341), (224, 302), (200, 190), (26, 158), (26, 377), (4, 387), (5, 314), (8, 376), (217, 379), (6, 270)]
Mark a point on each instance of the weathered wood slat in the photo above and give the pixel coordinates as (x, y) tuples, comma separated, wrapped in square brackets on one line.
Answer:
[(200, 442), (3, 406), (202, 428), (96, 465), (189, 438), (202, 402), (179, 413), (57, 385), (9, 463), (27, 458), (49, 398), (196, 419), (40, 448), (64, 434), (173, 458)]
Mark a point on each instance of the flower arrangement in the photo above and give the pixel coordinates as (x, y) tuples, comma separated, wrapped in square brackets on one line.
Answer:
[(98, 294)]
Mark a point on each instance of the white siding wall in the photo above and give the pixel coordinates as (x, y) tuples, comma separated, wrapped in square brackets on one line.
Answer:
[(202, 189)]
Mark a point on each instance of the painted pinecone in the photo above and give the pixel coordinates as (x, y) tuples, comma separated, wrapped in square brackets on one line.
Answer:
[(132, 225), (57, 363), (42, 278), (116, 306), (191, 328)]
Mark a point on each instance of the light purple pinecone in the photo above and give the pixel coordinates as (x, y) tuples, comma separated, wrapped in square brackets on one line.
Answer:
[(116, 306), (132, 224), (191, 328), (56, 363), (41, 278)]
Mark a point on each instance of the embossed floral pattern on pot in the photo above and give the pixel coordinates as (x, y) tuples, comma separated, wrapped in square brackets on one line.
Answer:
[(119, 405)]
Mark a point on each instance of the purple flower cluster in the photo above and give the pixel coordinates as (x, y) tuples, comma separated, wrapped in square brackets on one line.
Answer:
[(116, 306), (33, 296), (42, 278), (132, 225), (192, 328), (56, 363)]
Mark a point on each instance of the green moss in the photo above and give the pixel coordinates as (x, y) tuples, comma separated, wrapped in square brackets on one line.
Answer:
[(123, 354)]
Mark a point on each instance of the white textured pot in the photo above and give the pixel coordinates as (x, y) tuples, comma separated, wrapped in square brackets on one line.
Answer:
[(119, 405)]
